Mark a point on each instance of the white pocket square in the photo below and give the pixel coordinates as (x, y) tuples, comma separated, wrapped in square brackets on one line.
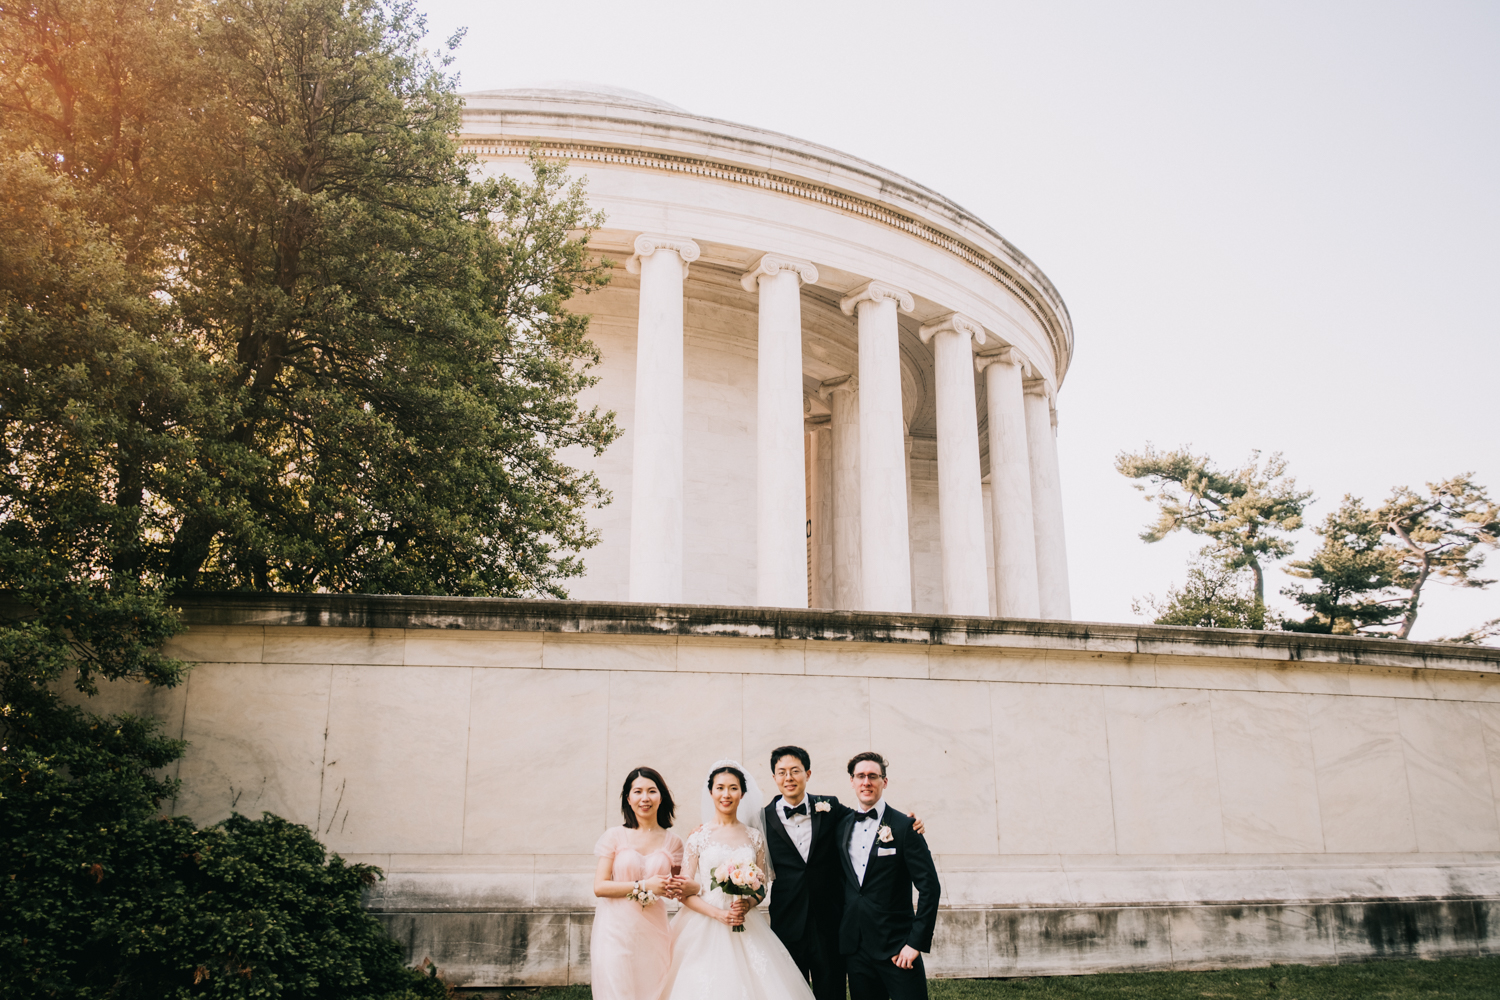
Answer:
[(881, 852)]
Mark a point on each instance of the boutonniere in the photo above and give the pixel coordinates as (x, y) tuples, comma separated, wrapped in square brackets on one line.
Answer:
[(821, 807), (885, 834)]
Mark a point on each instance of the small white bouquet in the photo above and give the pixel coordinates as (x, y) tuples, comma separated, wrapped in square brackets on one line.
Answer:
[(641, 895)]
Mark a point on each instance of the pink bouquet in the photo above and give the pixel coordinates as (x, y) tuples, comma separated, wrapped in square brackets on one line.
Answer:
[(739, 879)]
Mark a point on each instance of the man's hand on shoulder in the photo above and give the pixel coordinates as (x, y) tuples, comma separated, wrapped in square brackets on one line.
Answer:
[(921, 829)]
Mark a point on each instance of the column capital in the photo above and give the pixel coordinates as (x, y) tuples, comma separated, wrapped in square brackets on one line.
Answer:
[(774, 263), (1006, 356), (1039, 387), (873, 291), (958, 323), (843, 383), (647, 244)]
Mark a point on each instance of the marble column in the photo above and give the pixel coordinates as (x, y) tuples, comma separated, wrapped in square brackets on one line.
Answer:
[(1011, 519), (780, 463), (885, 543), (966, 588), (820, 535), (1046, 503), (656, 450), (843, 428)]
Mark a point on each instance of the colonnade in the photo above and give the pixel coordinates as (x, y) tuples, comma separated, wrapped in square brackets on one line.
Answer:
[(870, 534)]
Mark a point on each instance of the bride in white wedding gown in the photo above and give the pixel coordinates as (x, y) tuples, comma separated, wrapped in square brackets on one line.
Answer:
[(710, 960)]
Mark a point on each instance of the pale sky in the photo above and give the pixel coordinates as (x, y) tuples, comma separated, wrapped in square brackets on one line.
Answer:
[(1275, 224)]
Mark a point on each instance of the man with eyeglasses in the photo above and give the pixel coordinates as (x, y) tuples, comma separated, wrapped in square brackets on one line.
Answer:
[(807, 896), (884, 857)]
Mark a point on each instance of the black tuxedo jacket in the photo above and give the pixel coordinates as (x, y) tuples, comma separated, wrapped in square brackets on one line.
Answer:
[(812, 889), (878, 919)]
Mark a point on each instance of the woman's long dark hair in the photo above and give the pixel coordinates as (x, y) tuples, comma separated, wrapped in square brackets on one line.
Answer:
[(663, 812)]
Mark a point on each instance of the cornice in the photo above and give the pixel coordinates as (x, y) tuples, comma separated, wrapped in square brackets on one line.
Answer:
[(1031, 288)]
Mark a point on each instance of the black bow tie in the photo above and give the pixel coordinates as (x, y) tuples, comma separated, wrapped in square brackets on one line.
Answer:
[(860, 817), (794, 810)]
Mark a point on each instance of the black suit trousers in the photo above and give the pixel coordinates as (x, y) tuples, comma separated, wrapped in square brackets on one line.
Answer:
[(819, 960), (873, 978)]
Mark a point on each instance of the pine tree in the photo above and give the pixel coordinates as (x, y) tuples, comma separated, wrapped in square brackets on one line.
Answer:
[(1442, 534), (1245, 512), (1357, 573)]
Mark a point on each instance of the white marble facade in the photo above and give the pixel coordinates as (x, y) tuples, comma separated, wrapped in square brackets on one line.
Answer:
[(757, 276)]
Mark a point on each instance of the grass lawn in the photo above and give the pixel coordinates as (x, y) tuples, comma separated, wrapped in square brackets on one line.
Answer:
[(1456, 978)]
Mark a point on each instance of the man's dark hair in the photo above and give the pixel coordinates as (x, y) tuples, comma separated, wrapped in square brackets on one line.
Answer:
[(797, 752), (867, 755), (663, 811)]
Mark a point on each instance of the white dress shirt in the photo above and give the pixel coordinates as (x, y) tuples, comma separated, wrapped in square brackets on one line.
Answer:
[(862, 838), (798, 827)]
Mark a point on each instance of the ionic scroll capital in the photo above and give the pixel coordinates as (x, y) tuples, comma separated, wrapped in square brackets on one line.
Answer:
[(956, 322), (1040, 387), (844, 383), (1005, 356), (874, 291), (647, 244), (775, 263)]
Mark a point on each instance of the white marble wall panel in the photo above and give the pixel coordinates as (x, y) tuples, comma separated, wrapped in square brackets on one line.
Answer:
[(515, 755), (719, 404), (829, 717), (1453, 807), (393, 777), (1268, 780), (218, 644), (678, 723), (1362, 786), (1489, 721), (1051, 760), (316, 644), (1166, 787), (926, 535), (612, 328), (454, 648), (938, 740), (255, 741)]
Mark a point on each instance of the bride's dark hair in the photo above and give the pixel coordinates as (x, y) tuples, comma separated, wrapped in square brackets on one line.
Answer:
[(663, 811), (726, 769)]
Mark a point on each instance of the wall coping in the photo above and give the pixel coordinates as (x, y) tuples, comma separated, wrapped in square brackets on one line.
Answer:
[(599, 618)]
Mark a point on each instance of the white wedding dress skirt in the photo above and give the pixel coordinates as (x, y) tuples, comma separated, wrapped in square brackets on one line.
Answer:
[(713, 962)]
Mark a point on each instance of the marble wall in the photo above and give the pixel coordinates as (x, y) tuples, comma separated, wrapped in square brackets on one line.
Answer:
[(1061, 780)]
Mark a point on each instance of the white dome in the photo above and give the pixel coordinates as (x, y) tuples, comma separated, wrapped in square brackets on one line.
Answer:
[(584, 91)]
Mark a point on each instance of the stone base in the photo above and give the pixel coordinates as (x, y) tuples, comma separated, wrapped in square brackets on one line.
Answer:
[(529, 948)]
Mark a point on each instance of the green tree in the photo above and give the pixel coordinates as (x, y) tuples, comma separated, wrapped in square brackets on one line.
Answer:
[(1440, 534), (1479, 635), (263, 326), (1213, 596), (1357, 574), (1245, 513)]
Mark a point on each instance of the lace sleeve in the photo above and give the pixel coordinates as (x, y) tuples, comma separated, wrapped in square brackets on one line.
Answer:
[(762, 858), (691, 848)]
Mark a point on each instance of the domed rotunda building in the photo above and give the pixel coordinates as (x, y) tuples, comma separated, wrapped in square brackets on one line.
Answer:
[(838, 388)]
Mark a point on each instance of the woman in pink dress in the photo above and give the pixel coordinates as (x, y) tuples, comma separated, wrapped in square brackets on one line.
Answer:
[(639, 866)]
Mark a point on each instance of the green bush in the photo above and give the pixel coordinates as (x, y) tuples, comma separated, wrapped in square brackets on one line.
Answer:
[(102, 896)]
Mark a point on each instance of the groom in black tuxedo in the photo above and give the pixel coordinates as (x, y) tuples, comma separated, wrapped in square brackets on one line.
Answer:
[(883, 858), (807, 898)]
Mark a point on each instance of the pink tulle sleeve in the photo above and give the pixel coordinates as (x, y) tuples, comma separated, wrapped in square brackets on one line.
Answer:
[(674, 847), (609, 842)]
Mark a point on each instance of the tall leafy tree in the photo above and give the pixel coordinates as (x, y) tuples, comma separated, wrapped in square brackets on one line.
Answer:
[(1440, 534), (263, 326), (1357, 573), (1245, 513)]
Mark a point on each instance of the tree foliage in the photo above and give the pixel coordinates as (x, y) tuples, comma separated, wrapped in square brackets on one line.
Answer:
[(1357, 575), (1374, 564), (263, 326), (1213, 596), (1245, 513)]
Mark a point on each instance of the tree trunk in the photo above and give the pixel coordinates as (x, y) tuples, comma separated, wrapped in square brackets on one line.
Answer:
[(1260, 581), (1410, 618)]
